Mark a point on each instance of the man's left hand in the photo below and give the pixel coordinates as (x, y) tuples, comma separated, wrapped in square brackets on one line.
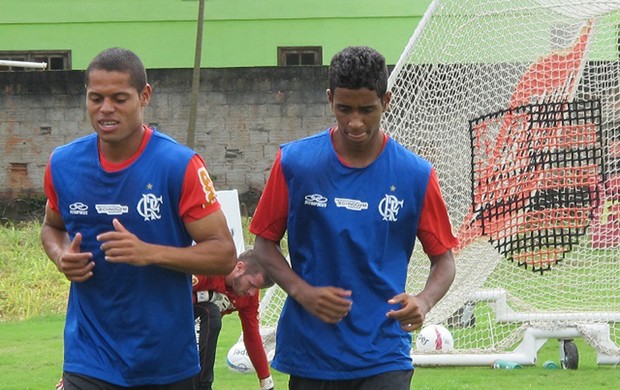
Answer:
[(411, 313), (267, 383), (122, 246)]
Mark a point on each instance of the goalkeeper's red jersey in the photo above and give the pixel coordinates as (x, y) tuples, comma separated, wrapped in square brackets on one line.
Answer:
[(247, 309)]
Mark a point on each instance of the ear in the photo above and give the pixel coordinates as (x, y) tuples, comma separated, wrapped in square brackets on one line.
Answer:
[(330, 95), (240, 267), (385, 101), (145, 95)]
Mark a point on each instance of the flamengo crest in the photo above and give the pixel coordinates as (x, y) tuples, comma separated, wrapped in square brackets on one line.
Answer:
[(389, 207), (148, 207)]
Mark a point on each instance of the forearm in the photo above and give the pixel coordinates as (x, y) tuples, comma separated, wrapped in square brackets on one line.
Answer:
[(276, 266), (253, 341), (439, 280), (257, 355), (215, 256), (54, 242)]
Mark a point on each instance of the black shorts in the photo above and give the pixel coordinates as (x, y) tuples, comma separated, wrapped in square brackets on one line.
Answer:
[(392, 380), (73, 381)]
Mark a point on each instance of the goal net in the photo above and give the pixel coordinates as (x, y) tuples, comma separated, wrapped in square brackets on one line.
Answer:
[(516, 103)]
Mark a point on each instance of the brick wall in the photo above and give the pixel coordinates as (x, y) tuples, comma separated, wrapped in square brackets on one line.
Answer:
[(243, 115)]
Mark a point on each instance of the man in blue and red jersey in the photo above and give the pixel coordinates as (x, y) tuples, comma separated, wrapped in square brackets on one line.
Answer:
[(352, 201), (125, 204), (217, 296)]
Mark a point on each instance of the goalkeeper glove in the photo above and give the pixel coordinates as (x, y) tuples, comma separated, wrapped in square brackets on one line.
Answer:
[(218, 299), (267, 383)]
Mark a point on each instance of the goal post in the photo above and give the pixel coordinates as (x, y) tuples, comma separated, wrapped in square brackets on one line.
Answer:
[(516, 103)]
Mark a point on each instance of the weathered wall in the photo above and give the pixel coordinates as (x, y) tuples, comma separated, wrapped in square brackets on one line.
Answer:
[(243, 115)]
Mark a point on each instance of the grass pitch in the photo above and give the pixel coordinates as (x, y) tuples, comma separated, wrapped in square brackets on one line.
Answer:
[(33, 297)]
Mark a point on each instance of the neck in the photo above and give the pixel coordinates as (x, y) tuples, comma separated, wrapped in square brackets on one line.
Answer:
[(117, 152), (358, 156), (228, 280)]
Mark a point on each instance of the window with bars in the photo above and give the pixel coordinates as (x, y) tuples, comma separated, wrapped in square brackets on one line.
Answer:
[(55, 59), (300, 55)]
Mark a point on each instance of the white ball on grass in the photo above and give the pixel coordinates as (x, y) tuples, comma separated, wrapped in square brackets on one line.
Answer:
[(238, 359), (434, 338)]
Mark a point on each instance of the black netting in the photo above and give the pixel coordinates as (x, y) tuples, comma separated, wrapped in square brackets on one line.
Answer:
[(535, 176)]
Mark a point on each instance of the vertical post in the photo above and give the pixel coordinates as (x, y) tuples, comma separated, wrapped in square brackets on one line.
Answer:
[(193, 108)]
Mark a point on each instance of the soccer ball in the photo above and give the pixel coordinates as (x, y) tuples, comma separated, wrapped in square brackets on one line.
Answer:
[(434, 338), (238, 359)]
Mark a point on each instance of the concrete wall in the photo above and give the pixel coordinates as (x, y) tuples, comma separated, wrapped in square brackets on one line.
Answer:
[(243, 115)]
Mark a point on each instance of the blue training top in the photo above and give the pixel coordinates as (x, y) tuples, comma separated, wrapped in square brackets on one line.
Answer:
[(127, 325), (353, 228)]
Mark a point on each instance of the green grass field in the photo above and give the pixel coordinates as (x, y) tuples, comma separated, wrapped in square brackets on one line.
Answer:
[(33, 295), (31, 355), (31, 358)]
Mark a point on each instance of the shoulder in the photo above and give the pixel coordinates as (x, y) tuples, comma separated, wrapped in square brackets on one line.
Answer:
[(409, 165), (167, 148), (408, 155), (76, 152), (306, 151), (85, 141), (169, 142), (304, 142)]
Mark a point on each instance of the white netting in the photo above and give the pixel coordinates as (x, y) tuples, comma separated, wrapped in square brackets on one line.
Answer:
[(527, 92), (504, 62)]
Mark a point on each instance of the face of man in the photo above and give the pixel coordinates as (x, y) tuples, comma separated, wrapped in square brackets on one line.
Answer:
[(358, 115), (244, 283), (116, 110)]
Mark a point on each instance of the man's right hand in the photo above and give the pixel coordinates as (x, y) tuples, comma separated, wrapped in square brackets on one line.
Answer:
[(77, 266), (330, 304)]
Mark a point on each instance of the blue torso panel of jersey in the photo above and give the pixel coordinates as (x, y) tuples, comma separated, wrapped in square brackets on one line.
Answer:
[(353, 228), (127, 325)]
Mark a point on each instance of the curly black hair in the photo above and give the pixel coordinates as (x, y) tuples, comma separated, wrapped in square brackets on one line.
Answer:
[(358, 67)]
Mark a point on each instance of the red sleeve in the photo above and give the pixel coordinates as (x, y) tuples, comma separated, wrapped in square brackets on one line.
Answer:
[(248, 314), (48, 186), (269, 220), (198, 198), (434, 228), (209, 283)]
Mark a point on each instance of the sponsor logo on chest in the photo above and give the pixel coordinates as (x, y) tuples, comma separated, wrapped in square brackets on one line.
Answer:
[(149, 207), (388, 207)]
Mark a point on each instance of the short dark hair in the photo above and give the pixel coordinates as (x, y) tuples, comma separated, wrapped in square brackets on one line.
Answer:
[(358, 67), (120, 60), (253, 267)]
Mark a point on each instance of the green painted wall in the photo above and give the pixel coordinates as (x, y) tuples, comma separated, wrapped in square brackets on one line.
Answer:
[(237, 33)]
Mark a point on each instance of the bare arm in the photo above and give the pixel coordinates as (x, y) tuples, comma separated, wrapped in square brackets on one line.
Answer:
[(330, 304), (415, 307), (213, 254), (65, 254)]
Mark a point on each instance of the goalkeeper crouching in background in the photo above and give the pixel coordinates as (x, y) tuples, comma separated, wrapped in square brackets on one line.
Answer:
[(216, 296)]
